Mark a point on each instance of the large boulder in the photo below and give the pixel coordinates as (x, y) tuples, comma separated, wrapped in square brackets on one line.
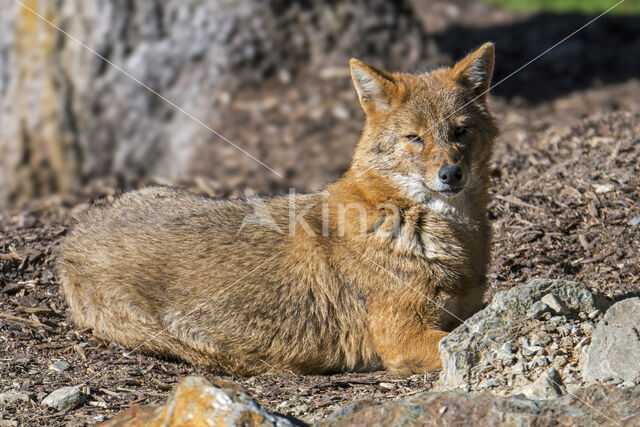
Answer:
[(198, 402), (595, 405), (520, 335), (615, 346)]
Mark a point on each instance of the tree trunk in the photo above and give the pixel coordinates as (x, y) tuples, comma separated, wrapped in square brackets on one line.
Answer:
[(67, 116)]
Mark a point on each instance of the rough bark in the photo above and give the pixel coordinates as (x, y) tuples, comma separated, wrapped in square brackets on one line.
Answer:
[(67, 116)]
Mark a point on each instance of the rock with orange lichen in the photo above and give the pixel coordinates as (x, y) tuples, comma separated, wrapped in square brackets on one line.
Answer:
[(198, 402)]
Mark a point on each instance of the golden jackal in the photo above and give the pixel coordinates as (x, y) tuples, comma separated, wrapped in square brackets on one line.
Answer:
[(367, 274)]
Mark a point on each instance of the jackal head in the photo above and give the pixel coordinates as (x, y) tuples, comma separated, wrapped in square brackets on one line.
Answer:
[(431, 134)]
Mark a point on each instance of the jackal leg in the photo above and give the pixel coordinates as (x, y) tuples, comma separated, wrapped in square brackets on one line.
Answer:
[(415, 354)]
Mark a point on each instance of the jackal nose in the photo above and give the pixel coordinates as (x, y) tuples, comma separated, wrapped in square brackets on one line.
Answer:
[(451, 175)]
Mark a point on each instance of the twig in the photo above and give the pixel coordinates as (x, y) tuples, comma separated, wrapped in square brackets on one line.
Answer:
[(26, 322), (515, 201), (110, 393), (35, 310)]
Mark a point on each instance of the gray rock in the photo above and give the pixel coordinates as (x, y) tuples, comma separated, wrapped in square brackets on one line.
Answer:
[(597, 406), (540, 339), (199, 402), (541, 360), (479, 338), (505, 356), (587, 328), (506, 353), (559, 361), (537, 309), (12, 396), (593, 314), (635, 221), (64, 399), (531, 350), (518, 367), (554, 303), (615, 346), (548, 386), (489, 383), (558, 320), (59, 366)]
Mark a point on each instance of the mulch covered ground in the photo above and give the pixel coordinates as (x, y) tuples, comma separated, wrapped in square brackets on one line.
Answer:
[(566, 204)]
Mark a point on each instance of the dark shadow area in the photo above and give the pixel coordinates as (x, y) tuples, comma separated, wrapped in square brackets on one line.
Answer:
[(604, 52), (627, 295)]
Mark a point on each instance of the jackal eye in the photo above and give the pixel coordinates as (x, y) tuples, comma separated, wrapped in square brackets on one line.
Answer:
[(460, 130), (416, 139)]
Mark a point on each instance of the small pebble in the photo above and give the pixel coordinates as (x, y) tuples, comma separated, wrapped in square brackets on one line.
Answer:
[(546, 327), (299, 409), (572, 377), (559, 361), (531, 350), (64, 399), (489, 383), (387, 386), (541, 360), (518, 367), (594, 314), (555, 304), (587, 328), (59, 366), (548, 385), (540, 339), (537, 309), (603, 188), (505, 355), (566, 342), (558, 320)]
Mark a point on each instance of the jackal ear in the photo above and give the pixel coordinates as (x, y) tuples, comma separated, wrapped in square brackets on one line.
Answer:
[(374, 86), (476, 69)]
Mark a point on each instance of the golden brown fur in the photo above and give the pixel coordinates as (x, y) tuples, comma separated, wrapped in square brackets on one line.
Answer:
[(380, 265)]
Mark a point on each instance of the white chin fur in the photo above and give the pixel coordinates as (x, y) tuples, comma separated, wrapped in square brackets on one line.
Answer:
[(414, 188)]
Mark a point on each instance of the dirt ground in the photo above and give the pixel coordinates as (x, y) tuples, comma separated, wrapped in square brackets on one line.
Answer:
[(566, 204)]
